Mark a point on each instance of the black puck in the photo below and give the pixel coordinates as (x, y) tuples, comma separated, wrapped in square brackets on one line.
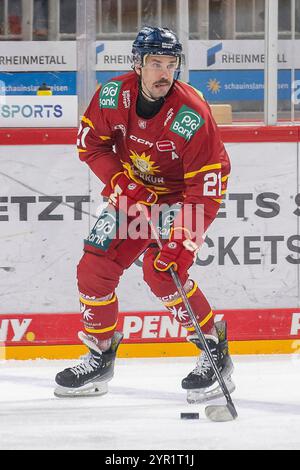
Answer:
[(189, 415)]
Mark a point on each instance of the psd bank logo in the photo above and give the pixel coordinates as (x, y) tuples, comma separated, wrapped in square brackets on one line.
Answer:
[(212, 52)]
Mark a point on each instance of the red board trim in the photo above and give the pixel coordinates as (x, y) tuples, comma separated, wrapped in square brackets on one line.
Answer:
[(147, 327), (53, 136), (67, 136)]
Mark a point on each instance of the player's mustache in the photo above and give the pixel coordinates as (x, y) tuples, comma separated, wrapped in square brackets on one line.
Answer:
[(162, 82)]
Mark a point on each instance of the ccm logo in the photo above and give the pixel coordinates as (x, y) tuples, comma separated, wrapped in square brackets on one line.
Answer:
[(14, 329), (141, 141)]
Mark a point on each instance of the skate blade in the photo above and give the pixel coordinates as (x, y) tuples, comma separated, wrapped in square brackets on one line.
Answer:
[(221, 413), (196, 396), (88, 390)]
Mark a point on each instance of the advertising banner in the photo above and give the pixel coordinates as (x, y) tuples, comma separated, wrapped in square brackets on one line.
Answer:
[(251, 255), (148, 334), (49, 202), (225, 70), (38, 111), (28, 83), (248, 266), (206, 55), (16, 56), (113, 55), (148, 327), (240, 54), (239, 85), (20, 56), (44, 216)]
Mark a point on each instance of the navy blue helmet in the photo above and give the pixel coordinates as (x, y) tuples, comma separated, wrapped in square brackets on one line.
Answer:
[(157, 41)]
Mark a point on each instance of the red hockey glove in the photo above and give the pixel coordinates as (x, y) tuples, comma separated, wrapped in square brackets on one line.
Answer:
[(177, 253), (135, 192)]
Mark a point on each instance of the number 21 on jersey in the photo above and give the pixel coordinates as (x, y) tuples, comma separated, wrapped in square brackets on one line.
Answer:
[(212, 184), (82, 133)]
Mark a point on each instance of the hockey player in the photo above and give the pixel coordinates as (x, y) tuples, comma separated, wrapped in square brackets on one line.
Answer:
[(150, 139)]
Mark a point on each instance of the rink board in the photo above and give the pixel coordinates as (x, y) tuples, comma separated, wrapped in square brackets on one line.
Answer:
[(148, 334), (250, 260)]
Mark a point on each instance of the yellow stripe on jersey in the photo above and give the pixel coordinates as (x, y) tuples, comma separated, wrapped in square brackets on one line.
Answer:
[(82, 150), (216, 166), (179, 300), (88, 122), (160, 191), (98, 303), (160, 188), (225, 178), (104, 330), (104, 137), (206, 320), (219, 201)]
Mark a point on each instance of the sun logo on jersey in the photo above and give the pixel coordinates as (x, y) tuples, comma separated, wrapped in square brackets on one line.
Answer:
[(143, 163)]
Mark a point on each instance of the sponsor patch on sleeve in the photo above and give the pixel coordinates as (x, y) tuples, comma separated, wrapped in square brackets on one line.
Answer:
[(186, 122), (109, 95)]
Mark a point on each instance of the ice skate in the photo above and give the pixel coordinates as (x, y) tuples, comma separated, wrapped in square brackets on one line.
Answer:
[(91, 376), (201, 384)]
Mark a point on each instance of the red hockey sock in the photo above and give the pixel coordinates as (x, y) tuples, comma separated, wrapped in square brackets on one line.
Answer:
[(200, 307), (99, 316)]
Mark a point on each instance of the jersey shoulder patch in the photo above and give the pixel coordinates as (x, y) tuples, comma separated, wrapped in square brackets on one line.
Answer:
[(187, 122), (109, 95)]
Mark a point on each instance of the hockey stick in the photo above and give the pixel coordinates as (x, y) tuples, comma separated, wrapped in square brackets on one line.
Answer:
[(213, 412)]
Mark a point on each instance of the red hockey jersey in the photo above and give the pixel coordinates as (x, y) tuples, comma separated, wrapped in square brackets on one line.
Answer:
[(178, 153)]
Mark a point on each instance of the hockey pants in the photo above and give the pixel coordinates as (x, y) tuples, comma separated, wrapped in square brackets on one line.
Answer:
[(99, 273)]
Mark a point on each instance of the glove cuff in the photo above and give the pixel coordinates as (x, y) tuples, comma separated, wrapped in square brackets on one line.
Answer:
[(180, 234), (137, 193), (183, 235), (114, 180), (162, 266)]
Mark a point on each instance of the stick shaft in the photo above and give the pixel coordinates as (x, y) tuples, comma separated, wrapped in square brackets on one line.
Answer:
[(190, 312), (200, 334)]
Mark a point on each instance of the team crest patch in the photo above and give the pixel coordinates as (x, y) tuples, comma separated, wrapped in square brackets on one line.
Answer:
[(109, 95), (187, 122), (142, 124)]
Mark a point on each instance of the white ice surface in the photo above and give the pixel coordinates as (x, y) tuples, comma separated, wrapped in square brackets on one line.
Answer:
[(142, 409)]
